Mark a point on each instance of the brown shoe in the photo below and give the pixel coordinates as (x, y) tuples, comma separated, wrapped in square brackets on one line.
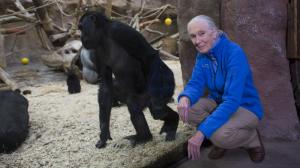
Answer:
[(257, 154), (216, 153)]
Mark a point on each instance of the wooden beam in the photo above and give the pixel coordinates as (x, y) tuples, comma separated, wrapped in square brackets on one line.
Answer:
[(2, 55), (76, 19), (42, 14), (22, 16), (12, 30), (108, 8)]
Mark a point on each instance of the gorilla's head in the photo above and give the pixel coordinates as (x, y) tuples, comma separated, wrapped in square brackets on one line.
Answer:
[(93, 28)]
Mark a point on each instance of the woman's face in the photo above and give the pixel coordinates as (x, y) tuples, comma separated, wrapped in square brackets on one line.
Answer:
[(202, 35)]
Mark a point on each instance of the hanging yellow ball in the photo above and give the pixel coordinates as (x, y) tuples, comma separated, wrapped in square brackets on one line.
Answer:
[(24, 60), (168, 21)]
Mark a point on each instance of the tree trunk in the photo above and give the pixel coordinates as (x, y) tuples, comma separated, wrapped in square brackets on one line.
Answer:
[(42, 14)]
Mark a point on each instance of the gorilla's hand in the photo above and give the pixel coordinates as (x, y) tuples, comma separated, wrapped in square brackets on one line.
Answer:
[(73, 84)]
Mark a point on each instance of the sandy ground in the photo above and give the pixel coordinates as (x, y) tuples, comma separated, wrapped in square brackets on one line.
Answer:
[(64, 128)]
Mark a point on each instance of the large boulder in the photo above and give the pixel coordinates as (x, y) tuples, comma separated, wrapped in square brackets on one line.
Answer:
[(260, 28)]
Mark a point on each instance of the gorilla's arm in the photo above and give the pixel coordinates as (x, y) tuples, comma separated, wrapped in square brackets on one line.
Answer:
[(105, 102), (89, 71)]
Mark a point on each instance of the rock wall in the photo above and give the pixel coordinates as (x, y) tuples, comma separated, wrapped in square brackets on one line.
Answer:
[(186, 11), (260, 26)]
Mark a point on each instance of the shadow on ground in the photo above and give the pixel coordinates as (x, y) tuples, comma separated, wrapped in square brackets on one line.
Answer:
[(278, 155)]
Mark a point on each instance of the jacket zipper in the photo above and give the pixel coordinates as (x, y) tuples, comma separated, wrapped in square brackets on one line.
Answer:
[(214, 75)]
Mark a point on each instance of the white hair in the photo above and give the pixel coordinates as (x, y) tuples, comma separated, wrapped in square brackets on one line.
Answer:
[(205, 18)]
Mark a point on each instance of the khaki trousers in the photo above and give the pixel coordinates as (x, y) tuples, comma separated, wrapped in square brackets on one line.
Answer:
[(238, 131)]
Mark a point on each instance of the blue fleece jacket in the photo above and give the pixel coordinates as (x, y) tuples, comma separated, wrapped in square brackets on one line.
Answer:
[(225, 72)]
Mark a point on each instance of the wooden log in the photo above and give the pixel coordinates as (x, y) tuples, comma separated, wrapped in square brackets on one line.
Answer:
[(76, 18), (44, 38), (20, 6), (148, 23), (108, 8), (42, 14), (2, 56), (12, 30), (22, 16), (4, 76), (9, 19)]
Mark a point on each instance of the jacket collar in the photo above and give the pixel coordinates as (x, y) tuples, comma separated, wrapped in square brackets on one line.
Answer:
[(213, 52)]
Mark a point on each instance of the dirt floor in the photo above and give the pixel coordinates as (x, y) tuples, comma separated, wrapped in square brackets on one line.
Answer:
[(64, 128)]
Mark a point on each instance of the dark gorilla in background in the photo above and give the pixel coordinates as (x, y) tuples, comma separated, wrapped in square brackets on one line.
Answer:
[(144, 78), (14, 120)]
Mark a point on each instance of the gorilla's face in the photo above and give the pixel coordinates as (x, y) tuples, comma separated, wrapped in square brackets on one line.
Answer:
[(92, 26), (88, 28)]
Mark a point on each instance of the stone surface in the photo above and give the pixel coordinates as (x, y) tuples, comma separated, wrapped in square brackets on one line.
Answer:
[(186, 11), (259, 26), (237, 158)]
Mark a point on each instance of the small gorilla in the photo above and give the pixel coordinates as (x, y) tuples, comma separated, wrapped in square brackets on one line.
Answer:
[(14, 120), (144, 79)]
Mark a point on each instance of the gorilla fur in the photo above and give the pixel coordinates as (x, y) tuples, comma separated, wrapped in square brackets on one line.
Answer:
[(144, 79), (14, 120)]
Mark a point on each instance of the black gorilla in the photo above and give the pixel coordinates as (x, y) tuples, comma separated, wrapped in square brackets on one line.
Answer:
[(144, 78), (14, 120), (84, 61)]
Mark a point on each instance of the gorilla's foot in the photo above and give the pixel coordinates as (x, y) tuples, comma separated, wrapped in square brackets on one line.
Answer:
[(170, 128), (73, 84), (170, 132), (100, 144), (135, 139), (103, 138)]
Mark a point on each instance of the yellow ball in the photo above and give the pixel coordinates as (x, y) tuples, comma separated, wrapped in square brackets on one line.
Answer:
[(24, 60), (168, 21)]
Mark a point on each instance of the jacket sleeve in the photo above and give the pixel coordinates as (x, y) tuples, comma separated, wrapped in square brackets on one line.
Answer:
[(237, 70), (195, 87)]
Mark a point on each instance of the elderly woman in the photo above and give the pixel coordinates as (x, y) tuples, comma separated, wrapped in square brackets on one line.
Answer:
[(229, 115)]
